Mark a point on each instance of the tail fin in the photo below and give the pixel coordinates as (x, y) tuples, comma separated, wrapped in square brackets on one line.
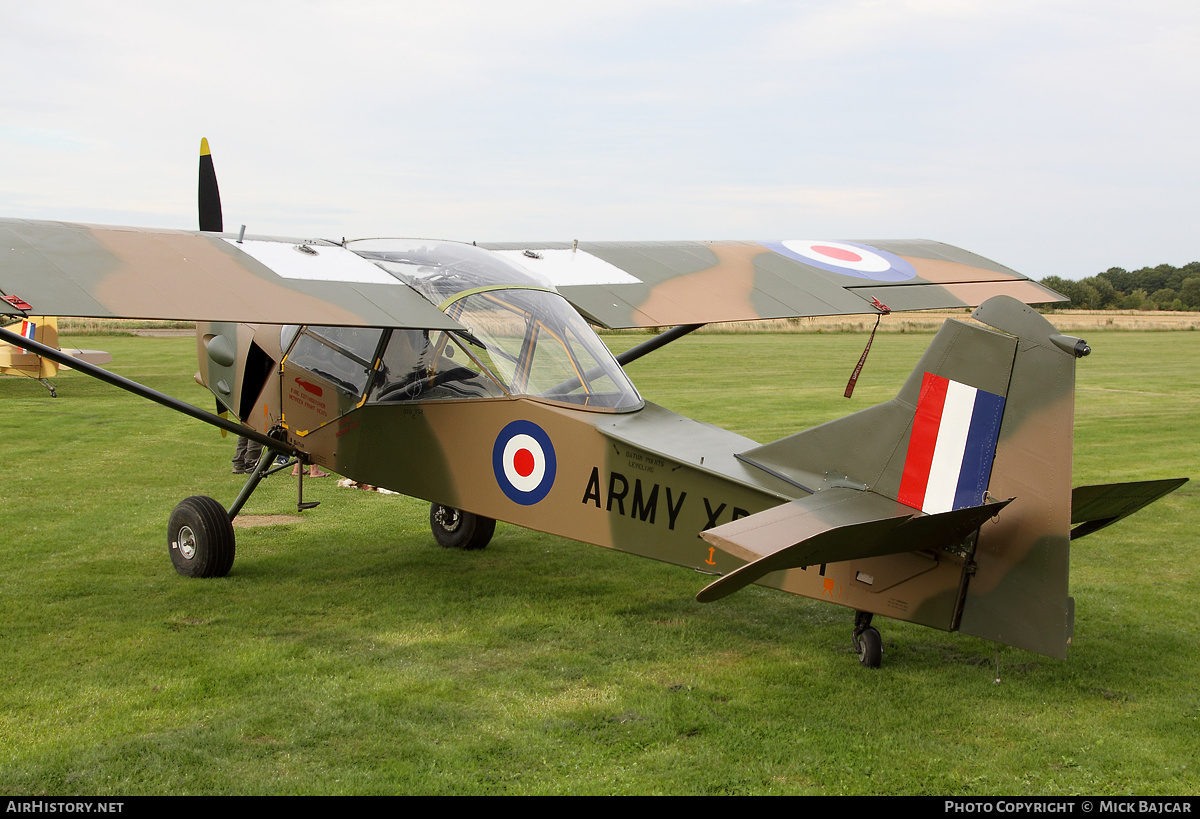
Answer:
[(986, 416), (1018, 594), (19, 361), (44, 330)]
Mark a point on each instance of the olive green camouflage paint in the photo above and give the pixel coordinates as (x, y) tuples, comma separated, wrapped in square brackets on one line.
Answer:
[(70, 269), (94, 271), (607, 490), (701, 282), (648, 481), (1018, 595)]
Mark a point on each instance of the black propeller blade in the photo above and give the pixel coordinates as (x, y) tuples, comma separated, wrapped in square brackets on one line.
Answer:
[(208, 196)]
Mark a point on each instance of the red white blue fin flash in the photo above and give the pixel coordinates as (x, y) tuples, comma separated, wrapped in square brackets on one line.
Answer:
[(952, 446)]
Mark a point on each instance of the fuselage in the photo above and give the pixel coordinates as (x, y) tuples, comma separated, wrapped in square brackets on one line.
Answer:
[(525, 417)]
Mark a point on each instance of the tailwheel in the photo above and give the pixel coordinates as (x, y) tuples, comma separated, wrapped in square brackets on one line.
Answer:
[(200, 538), (867, 642), (456, 529)]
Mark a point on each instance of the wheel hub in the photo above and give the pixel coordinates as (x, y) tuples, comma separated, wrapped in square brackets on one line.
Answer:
[(448, 519), (187, 542)]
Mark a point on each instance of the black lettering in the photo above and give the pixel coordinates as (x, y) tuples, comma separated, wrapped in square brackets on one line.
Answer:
[(642, 510), (593, 487), (712, 516), (619, 497), (740, 513), (673, 511)]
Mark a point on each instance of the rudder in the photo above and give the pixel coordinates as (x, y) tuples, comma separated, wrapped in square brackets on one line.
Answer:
[(986, 415)]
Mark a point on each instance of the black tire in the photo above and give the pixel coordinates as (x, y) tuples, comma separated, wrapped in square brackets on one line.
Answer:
[(870, 648), (200, 538), (455, 529)]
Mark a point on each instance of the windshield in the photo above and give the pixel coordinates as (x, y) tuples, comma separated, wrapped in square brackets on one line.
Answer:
[(536, 344), (519, 330)]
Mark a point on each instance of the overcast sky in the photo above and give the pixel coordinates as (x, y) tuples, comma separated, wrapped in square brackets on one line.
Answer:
[(1056, 137)]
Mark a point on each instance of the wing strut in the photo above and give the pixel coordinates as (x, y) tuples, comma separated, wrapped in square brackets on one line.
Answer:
[(660, 340)]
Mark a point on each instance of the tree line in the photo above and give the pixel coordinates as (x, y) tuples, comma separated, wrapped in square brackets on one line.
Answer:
[(1151, 288)]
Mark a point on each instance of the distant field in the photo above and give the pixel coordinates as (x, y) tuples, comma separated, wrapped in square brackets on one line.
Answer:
[(346, 654), (925, 321), (928, 321)]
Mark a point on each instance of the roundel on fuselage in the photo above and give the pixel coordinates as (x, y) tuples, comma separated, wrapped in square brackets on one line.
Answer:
[(524, 462)]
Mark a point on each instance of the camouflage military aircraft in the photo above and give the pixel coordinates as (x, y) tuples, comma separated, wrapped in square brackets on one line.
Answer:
[(17, 360), (469, 376)]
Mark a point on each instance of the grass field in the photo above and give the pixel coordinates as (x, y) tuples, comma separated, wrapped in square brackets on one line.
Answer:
[(347, 654)]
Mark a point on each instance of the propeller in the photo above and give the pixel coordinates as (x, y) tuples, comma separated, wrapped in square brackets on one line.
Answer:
[(208, 203), (208, 197)]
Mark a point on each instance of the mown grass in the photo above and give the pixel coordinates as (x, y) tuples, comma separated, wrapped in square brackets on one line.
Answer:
[(346, 654)]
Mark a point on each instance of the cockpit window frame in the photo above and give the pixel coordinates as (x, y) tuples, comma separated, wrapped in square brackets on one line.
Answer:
[(313, 333)]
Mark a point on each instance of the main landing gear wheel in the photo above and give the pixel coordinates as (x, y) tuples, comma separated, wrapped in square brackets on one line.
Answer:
[(867, 642), (455, 529), (200, 538), (870, 648)]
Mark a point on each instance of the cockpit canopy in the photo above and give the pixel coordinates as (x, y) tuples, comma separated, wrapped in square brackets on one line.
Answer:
[(441, 271), (522, 337)]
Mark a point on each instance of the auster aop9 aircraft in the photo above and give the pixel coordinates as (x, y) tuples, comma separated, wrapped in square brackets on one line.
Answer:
[(469, 376)]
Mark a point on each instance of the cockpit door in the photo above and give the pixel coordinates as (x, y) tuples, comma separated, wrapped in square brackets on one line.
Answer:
[(326, 374)]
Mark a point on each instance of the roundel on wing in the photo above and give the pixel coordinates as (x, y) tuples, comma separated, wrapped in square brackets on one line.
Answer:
[(524, 463), (847, 258)]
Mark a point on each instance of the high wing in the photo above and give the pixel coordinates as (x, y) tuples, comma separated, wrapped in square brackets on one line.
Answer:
[(65, 269), (59, 268), (651, 284)]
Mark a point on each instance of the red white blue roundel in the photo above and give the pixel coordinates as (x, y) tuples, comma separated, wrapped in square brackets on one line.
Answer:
[(524, 462), (847, 258)]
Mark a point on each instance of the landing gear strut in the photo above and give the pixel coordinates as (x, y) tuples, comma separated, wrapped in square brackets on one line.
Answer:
[(200, 535), (867, 642)]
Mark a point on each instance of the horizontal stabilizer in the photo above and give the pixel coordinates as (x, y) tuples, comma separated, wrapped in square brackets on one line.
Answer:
[(831, 526), (1094, 507), (96, 357)]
